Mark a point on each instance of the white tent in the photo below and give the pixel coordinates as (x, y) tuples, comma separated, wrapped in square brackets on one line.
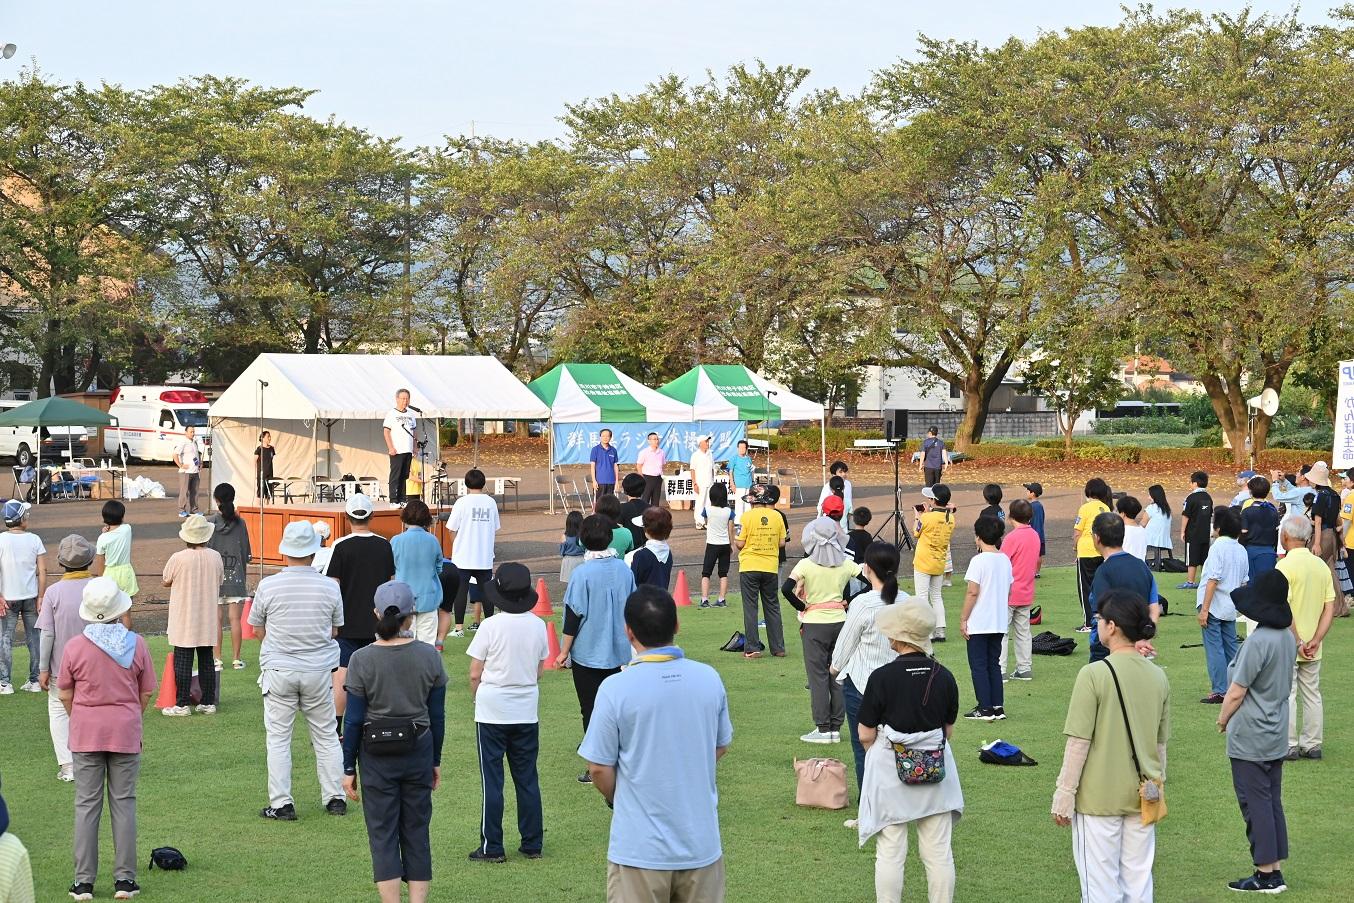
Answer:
[(325, 410)]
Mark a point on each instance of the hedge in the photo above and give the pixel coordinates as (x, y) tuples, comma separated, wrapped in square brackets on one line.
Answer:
[(1106, 426)]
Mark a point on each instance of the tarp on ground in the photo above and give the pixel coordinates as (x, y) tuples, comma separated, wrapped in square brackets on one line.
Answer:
[(733, 392), (599, 393)]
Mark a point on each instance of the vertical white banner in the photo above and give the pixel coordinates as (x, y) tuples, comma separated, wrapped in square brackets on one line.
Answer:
[(1342, 455)]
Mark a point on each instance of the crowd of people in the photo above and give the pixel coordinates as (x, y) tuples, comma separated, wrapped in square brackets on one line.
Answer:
[(352, 635)]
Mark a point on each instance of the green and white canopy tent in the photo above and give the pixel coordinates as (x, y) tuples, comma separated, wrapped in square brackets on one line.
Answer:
[(599, 393), (733, 392)]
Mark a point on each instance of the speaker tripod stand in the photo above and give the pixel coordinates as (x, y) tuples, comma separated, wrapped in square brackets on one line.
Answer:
[(902, 536)]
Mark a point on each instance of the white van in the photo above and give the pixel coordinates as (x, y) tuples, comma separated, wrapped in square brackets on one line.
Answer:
[(151, 421), (57, 443)]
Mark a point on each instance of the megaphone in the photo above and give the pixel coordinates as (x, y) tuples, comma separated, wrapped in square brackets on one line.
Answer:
[(1267, 402)]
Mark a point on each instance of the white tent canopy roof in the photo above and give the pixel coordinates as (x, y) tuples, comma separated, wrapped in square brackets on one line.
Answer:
[(363, 386)]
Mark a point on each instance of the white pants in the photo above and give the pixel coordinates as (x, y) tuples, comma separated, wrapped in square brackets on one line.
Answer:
[(1307, 684), (1018, 631), (928, 588), (1114, 855), (698, 507), (60, 725), (739, 506), (312, 694), (425, 627), (933, 846)]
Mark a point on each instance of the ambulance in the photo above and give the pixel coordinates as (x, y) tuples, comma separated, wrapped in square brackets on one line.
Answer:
[(152, 420)]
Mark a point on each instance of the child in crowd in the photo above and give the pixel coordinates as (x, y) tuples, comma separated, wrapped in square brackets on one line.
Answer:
[(985, 618), (1158, 525), (570, 546), (1135, 534), (1260, 528), (114, 547), (741, 471), (622, 540), (934, 528), (321, 560), (1033, 493), (836, 489), (471, 529), (23, 581), (718, 549), (858, 538), (992, 495), (1021, 546), (633, 486), (652, 565), (838, 469), (1225, 569), (230, 538), (1196, 527), (1099, 499)]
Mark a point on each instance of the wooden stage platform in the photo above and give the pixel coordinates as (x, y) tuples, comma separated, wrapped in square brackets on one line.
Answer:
[(385, 521)]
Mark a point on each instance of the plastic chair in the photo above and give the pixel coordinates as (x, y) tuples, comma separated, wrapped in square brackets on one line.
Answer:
[(787, 473)]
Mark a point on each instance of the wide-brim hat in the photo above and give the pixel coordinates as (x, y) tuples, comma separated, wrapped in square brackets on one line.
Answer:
[(75, 552), (1319, 475), (510, 589), (299, 540), (196, 530), (1265, 600), (824, 542), (102, 601), (907, 622), (757, 494)]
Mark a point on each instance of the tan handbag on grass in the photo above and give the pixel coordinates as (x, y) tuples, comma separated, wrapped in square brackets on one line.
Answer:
[(820, 783), (1151, 792)]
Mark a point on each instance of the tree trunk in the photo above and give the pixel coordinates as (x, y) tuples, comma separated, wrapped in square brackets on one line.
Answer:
[(1068, 421), (977, 393)]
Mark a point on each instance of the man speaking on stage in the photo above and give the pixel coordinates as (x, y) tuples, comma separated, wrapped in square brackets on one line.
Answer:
[(400, 427)]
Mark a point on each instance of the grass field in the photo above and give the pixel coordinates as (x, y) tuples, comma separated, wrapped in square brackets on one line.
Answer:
[(203, 780)]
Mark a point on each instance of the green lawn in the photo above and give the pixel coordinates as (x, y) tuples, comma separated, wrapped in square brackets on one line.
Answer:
[(203, 780)]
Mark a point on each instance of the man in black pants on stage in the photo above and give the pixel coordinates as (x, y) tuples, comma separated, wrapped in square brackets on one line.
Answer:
[(400, 427)]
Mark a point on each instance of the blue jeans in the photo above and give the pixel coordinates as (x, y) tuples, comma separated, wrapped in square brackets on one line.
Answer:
[(1220, 647), (1263, 559), (520, 743), (852, 696), (28, 610), (984, 651)]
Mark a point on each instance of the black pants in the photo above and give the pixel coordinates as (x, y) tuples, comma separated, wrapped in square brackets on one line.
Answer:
[(606, 489), (183, 674), (1086, 568), (586, 682), (716, 555), (653, 491), (520, 743), (463, 594), (399, 473), (932, 475), (1259, 792), (265, 487), (450, 578), (397, 804), (761, 586)]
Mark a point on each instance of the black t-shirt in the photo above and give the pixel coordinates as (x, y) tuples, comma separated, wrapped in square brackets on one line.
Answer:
[(1260, 526), (629, 511), (1326, 506), (856, 542), (265, 462), (1199, 509), (360, 564), (894, 694)]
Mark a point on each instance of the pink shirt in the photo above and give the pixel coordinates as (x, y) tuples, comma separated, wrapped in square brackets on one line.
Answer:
[(651, 461), (1021, 545), (106, 710)]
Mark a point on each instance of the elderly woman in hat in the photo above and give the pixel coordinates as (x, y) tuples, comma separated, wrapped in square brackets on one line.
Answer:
[(1254, 715), (105, 683), (193, 575), (393, 730), (819, 581), (1325, 513), (908, 712)]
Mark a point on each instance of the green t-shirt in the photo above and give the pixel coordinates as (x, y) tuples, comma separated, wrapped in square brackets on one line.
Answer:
[(1109, 783), (622, 540)]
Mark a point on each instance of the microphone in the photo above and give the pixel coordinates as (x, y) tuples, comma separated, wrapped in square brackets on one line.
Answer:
[(414, 409)]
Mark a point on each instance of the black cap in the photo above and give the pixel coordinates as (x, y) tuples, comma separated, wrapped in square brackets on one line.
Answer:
[(1036, 488)]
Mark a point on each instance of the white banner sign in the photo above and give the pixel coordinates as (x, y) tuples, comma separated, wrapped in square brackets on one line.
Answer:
[(1342, 455)]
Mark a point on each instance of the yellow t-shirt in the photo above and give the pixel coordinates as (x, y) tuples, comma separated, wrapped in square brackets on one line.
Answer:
[(933, 542), (824, 584), (761, 530), (1309, 591), (1347, 515), (1086, 515)]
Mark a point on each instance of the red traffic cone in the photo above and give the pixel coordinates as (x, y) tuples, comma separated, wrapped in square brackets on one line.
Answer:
[(543, 608), (247, 629), (553, 641), (168, 689), (681, 594)]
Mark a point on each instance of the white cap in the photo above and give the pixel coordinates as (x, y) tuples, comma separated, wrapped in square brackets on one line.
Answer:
[(358, 506), (321, 528)]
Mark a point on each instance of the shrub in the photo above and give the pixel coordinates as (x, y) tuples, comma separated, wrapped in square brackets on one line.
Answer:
[(1060, 443), (1313, 437), (1122, 454), (1129, 425)]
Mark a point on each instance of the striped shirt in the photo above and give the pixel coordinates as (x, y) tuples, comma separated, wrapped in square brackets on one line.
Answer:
[(16, 873), (299, 609), (860, 647)]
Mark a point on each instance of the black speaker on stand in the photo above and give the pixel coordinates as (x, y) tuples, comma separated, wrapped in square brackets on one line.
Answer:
[(895, 431), (895, 425)]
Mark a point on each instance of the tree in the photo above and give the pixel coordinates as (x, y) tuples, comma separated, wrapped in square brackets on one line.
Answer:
[(1076, 368)]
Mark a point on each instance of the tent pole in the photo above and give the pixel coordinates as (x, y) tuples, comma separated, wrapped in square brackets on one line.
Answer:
[(550, 462), (257, 479), (475, 433), (822, 443)]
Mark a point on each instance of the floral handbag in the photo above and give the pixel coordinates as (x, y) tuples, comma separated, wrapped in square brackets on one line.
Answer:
[(921, 766)]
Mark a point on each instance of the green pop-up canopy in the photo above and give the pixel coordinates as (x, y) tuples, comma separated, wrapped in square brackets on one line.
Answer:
[(54, 411), (733, 392), (587, 393)]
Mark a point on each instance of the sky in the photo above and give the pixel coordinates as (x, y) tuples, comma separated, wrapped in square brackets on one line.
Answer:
[(422, 69)]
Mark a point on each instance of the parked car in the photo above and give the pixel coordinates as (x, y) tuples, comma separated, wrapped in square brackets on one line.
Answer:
[(56, 443)]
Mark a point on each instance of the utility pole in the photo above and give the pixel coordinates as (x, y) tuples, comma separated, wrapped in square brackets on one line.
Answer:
[(408, 293)]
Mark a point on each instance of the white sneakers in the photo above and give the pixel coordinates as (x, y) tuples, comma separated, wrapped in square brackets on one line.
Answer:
[(219, 664), (31, 686), (206, 710), (6, 689), (65, 773), (176, 711), (817, 736), (238, 665)]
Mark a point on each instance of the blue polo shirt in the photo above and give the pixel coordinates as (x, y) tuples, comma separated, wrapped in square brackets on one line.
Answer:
[(1119, 571), (740, 469), (658, 723), (597, 591), (605, 458)]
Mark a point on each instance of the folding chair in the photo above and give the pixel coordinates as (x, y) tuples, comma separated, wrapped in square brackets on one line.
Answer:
[(589, 485), (25, 489), (787, 473), (294, 487), (561, 481), (371, 487)]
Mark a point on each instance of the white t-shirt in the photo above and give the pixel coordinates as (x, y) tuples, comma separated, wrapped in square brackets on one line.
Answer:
[(188, 454), (512, 647), (992, 572), (702, 469), (474, 520), (19, 565), (402, 425), (322, 556), (717, 522), (1135, 541), (846, 495)]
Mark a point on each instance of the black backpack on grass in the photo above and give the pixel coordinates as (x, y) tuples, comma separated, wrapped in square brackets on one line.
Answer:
[(1049, 643)]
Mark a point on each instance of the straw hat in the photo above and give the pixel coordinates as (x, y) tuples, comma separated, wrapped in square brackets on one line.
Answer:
[(907, 622), (1319, 475), (196, 530), (103, 601)]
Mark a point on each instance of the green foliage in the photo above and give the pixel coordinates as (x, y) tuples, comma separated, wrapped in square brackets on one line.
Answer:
[(1154, 424), (1076, 443), (1197, 411)]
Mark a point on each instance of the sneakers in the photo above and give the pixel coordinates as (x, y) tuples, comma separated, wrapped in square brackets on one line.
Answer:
[(1313, 753), (125, 890), (780, 654), (939, 635), (1259, 883), (31, 686), (1212, 699), (1022, 675), (82, 891), (475, 626), (850, 823), (761, 624), (1084, 628), (337, 806), (206, 710), (67, 774), (817, 736), (478, 855), (1291, 755), (458, 634), (176, 711), (530, 854), (993, 714), (996, 713), (8, 690), (755, 653), (705, 603), (836, 736), (279, 813), (585, 778), (948, 583), (183, 514), (1187, 585), (238, 664), (721, 604), (218, 664)]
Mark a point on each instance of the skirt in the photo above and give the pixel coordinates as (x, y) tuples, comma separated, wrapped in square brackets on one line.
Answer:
[(124, 575), (567, 564)]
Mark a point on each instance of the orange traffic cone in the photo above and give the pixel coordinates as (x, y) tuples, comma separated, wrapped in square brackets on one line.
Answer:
[(681, 594), (543, 608), (553, 641), (168, 688), (247, 629)]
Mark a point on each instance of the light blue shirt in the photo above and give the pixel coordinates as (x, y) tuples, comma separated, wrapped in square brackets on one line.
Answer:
[(597, 591), (1228, 564), (418, 562), (658, 724), (740, 469)]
